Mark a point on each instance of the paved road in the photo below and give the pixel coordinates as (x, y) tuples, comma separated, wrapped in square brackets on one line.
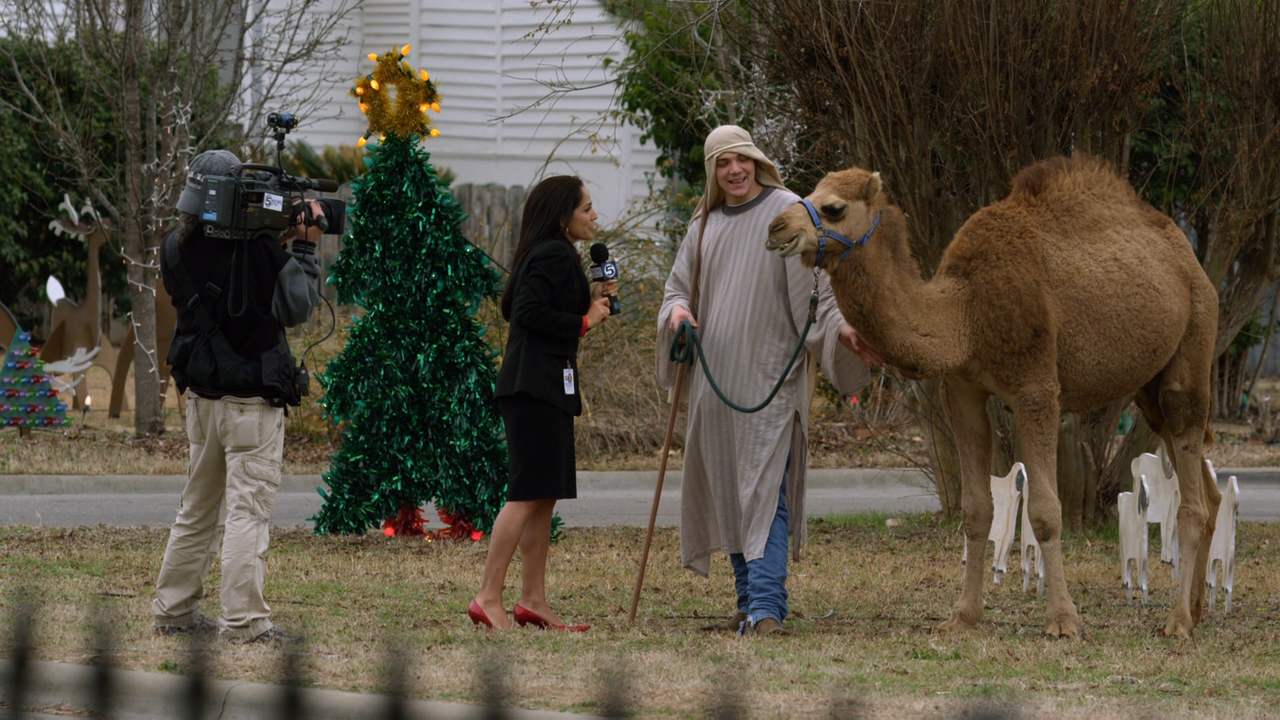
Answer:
[(605, 498)]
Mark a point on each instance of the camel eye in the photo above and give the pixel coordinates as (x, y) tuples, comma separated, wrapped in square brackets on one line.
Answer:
[(834, 209)]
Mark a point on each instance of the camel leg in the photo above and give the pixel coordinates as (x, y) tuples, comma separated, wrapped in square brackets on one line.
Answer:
[(1195, 534), (1180, 417), (966, 409), (1213, 499), (1036, 415)]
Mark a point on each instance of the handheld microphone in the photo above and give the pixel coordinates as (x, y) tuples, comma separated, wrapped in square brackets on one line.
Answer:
[(602, 270)]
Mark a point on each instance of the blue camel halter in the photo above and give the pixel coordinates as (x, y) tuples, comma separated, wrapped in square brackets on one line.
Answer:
[(824, 233)]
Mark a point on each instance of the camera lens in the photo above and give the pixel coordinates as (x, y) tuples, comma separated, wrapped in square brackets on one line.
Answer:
[(288, 121)]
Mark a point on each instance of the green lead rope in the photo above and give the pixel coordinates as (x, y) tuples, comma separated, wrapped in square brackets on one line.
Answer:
[(687, 338)]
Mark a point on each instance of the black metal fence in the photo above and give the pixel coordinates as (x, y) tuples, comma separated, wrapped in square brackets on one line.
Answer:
[(104, 692)]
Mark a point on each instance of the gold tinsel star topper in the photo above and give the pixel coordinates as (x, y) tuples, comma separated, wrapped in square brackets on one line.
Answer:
[(394, 99)]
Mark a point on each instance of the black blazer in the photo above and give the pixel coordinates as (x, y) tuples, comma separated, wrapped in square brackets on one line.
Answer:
[(551, 296)]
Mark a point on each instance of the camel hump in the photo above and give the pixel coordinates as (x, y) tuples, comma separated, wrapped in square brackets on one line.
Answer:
[(1080, 172)]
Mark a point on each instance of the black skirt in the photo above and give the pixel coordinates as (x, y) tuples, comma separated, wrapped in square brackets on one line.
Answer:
[(540, 444)]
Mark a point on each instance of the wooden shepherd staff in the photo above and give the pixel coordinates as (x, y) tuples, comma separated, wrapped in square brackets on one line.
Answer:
[(671, 426)]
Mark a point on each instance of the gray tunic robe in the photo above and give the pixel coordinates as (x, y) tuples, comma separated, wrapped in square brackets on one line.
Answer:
[(752, 305)]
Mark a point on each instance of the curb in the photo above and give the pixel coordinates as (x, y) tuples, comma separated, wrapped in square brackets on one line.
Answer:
[(137, 694)]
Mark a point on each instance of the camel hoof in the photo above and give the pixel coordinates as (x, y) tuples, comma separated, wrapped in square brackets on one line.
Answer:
[(1064, 631), (1176, 628), (956, 626), (1068, 626)]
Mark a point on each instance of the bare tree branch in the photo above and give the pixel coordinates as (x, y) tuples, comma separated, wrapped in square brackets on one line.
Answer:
[(172, 76)]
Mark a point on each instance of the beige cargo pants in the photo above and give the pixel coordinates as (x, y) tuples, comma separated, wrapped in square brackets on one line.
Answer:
[(232, 480)]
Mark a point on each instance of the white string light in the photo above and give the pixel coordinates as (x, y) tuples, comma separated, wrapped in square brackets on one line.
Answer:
[(149, 352)]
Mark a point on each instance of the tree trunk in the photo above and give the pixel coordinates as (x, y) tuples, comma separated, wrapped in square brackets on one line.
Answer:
[(925, 399), (149, 411), (1231, 377), (1005, 450), (1072, 469), (148, 417)]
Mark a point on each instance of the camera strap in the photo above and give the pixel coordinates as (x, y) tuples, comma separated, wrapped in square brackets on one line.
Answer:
[(204, 321)]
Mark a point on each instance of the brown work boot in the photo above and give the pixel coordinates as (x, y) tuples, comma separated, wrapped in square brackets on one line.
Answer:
[(767, 626), (733, 624)]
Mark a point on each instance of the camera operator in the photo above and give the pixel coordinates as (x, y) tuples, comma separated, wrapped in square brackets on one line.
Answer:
[(246, 292)]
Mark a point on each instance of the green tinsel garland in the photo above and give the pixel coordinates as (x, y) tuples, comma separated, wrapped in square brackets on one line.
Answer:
[(413, 388)]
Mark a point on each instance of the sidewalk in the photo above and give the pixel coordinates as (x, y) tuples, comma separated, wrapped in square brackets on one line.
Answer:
[(587, 481), (143, 696)]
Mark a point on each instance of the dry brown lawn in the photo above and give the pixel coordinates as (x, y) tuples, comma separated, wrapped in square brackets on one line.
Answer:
[(865, 599), (108, 447)]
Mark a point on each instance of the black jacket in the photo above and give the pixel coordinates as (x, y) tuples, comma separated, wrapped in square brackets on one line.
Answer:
[(551, 296), (277, 291)]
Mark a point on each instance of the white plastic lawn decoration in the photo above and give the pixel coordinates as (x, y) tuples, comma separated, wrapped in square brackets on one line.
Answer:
[(1222, 550), (1165, 499), (1030, 548), (1005, 492), (1132, 510), (76, 365)]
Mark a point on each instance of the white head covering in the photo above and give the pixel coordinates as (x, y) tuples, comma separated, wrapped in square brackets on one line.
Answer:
[(731, 138)]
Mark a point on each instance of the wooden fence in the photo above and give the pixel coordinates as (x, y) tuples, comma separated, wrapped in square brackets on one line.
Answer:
[(492, 223)]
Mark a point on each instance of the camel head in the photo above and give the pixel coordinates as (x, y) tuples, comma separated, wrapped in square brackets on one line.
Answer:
[(847, 205)]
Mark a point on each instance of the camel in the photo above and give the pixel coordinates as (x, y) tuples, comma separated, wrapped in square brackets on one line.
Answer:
[(1068, 294)]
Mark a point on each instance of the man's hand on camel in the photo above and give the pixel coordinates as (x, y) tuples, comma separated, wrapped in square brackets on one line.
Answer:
[(860, 347), (679, 314)]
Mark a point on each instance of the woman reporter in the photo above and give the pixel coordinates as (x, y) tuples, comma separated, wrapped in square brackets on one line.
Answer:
[(550, 305)]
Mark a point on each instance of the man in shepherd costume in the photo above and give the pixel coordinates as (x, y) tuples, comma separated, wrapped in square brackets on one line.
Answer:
[(743, 487)]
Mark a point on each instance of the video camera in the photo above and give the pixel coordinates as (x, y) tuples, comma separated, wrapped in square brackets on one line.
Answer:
[(261, 198)]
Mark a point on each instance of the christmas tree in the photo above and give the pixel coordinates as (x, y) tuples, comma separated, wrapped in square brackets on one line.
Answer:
[(413, 388), (27, 396)]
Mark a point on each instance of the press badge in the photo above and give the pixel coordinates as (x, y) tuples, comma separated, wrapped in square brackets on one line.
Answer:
[(568, 381)]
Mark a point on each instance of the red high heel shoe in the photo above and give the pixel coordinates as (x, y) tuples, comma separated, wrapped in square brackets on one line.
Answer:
[(477, 615), (524, 615)]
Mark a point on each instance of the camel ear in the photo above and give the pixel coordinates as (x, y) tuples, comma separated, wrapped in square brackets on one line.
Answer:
[(872, 188)]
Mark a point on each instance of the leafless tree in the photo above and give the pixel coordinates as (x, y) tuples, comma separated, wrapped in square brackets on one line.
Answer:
[(174, 77), (1230, 88)]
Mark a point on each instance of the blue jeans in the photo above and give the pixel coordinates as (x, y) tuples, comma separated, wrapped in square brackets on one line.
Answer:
[(762, 583)]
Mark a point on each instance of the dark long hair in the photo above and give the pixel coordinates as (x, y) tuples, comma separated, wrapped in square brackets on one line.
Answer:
[(547, 211)]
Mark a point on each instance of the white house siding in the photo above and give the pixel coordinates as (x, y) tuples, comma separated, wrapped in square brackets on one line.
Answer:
[(489, 61)]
